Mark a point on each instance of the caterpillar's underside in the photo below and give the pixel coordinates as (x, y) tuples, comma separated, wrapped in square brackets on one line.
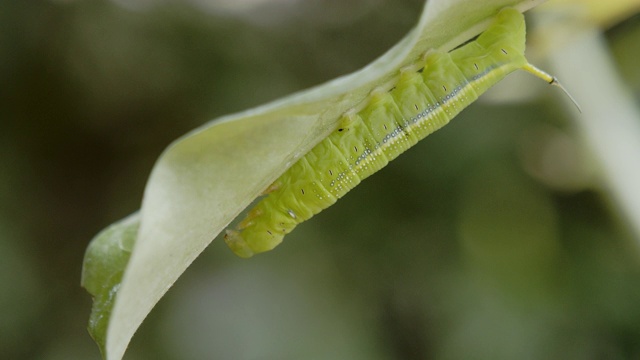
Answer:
[(425, 97)]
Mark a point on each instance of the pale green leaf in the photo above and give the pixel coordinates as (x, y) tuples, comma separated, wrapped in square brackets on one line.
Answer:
[(206, 178), (104, 263)]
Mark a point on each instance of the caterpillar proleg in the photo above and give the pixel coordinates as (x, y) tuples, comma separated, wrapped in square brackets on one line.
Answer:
[(424, 97)]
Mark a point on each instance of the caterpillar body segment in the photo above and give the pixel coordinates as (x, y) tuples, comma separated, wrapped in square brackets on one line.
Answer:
[(389, 123)]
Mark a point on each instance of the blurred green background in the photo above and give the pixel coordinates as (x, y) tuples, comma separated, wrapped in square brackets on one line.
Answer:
[(488, 240)]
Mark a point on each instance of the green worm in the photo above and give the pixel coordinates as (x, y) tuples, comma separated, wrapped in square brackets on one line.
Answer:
[(423, 98)]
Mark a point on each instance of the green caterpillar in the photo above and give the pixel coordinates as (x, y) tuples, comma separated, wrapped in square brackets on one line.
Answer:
[(424, 97)]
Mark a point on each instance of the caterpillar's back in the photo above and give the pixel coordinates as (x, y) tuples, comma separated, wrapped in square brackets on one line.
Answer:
[(425, 97)]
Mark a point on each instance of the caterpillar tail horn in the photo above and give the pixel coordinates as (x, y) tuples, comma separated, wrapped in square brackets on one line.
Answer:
[(552, 80)]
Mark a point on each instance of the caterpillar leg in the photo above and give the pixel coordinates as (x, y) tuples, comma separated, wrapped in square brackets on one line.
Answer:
[(237, 244), (297, 197), (263, 228), (271, 188)]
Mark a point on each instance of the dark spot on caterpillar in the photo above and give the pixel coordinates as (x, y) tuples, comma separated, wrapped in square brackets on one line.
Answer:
[(330, 172), (355, 148), (476, 65), (385, 126), (393, 88), (340, 129), (302, 191), (270, 233), (416, 106), (444, 87), (504, 51), (420, 70)]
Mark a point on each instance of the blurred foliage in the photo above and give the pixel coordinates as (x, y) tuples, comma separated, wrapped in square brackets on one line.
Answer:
[(458, 249), (624, 46)]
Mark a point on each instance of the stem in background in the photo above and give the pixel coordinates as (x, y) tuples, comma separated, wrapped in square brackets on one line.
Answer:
[(610, 119)]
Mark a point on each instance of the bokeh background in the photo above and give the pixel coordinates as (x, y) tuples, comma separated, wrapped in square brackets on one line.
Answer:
[(492, 239)]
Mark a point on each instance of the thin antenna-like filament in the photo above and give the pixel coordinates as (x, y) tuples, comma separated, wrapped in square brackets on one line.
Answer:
[(552, 80)]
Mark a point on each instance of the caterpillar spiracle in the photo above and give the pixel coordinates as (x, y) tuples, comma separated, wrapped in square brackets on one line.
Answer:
[(424, 97)]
